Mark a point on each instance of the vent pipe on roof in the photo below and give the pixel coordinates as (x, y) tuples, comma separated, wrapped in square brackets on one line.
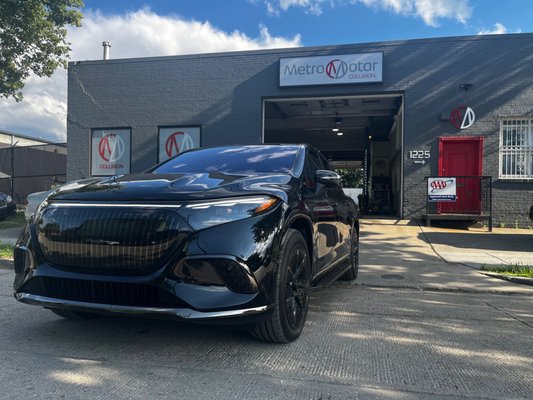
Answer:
[(106, 46)]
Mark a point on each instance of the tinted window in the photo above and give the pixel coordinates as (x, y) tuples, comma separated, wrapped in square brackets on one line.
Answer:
[(244, 159), (312, 164), (325, 161)]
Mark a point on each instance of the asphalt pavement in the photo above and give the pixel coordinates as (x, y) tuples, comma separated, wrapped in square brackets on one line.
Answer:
[(413, 326)]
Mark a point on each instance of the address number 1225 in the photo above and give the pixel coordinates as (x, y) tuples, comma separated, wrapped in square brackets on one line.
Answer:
[(419, 154)]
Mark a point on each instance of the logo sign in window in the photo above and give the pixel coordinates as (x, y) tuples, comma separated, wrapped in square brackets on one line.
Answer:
[(176, 140), (462, 117), (110, 151), (442, 189), (331, 70)]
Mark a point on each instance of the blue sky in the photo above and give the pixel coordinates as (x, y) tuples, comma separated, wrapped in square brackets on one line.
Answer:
[(339, 21), (138, 28)]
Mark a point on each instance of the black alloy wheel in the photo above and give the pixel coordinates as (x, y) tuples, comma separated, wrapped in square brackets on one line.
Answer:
[(292, 284), (351, 273)]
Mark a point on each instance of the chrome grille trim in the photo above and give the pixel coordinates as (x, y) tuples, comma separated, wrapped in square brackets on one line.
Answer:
[(126, 205)]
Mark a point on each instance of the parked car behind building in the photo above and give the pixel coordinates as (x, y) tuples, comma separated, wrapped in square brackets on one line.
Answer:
[(7, 205)]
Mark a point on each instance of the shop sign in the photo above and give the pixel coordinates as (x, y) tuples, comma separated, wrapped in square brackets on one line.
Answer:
[(330, 70), (462, 117), (110, 151), (175, 140), (442, 189)]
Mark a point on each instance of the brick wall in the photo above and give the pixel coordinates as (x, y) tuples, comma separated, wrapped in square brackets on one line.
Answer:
[(223, 94)]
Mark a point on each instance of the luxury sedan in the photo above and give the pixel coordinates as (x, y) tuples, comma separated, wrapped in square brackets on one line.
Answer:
[(236, 234)]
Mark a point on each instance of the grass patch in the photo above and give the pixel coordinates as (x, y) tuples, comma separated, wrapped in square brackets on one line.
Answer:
[(6, 250), (525, 271), (13, 221)]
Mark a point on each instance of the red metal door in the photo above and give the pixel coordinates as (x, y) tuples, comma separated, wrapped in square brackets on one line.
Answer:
[(462, 157)]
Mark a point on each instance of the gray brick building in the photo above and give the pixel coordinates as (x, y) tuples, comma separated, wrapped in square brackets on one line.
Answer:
[(400, 107)]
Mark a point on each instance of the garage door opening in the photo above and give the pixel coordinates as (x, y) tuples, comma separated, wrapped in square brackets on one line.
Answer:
[(361, 135)]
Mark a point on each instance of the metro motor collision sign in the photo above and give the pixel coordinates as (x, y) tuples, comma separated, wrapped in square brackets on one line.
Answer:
[(331, 70)]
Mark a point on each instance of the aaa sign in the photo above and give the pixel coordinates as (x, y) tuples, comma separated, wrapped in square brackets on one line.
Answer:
[(442, 189), (110, 151)]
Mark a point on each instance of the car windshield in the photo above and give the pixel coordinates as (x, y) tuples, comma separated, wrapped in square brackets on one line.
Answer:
[(233, 160)]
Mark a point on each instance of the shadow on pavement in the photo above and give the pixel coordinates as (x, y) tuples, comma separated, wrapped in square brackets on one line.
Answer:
[(482, 241)]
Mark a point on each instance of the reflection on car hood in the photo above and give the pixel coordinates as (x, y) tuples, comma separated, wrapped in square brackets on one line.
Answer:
[(173, 187)]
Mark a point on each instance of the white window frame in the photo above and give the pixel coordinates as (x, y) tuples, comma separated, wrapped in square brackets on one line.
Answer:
[(525, 150)]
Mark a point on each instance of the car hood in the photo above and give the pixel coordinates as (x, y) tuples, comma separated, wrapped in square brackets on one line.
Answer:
[(173, 187)]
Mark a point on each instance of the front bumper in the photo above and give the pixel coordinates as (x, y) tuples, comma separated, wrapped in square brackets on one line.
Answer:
[(182, 313), (251, 243)]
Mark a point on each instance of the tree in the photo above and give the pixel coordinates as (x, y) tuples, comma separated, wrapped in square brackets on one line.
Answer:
[(33, 39), (351, 178)]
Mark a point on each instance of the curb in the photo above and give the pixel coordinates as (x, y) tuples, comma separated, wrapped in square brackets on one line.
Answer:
[(443, 289), (515, 279), (6, 264)]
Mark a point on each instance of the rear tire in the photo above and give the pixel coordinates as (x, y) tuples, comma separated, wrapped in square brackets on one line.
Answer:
[(291, 292), (351, 274), (76, 315)]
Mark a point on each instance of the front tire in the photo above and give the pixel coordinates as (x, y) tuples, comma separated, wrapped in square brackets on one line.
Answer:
[(351, 274), (291, 292)]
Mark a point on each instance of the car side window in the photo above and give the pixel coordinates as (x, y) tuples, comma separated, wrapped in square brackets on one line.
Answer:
[(338, 192), (326, 163), (312, 164)]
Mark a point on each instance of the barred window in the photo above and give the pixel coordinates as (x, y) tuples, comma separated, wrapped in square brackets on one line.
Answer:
[(516, 149)]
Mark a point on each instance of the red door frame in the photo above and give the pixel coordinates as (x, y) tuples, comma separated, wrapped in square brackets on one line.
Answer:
[(461, 139), (467, 188), (479, 139)]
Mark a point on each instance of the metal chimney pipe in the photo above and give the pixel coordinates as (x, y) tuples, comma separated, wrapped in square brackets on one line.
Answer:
[(106, 46)]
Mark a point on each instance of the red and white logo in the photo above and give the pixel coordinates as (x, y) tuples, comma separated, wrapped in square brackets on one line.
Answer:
[(439, 185), (462, 117), (111, 147), (336, 69), (177, 143)]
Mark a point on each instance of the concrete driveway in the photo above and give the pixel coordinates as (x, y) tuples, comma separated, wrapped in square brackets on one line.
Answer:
[(410, 328), (402, 254)]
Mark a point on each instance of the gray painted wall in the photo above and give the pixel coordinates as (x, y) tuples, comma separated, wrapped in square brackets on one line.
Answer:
[(223, 94)]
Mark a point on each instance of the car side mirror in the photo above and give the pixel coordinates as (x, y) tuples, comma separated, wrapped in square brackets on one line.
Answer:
[(328, 178)]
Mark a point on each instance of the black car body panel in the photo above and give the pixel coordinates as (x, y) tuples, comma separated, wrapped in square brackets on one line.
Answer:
[(134, 243)]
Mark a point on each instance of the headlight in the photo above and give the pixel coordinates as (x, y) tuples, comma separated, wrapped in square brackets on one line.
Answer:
[(216, 212), (9, 199)]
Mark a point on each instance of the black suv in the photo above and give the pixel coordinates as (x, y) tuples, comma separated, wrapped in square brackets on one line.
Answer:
[(232, 234)]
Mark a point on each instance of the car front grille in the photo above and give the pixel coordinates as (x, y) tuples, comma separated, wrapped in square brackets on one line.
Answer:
[(90, 291), (3, 203), (109, 239)]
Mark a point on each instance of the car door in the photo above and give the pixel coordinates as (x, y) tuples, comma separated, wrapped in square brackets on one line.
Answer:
[(322, 210), (343, 215)]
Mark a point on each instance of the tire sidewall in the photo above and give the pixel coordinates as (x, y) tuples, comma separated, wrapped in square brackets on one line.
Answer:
[(291, 242), (354, 261)]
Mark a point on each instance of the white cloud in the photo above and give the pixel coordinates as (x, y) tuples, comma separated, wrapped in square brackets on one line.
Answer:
[(429, 10), (498, 29), (136, 34)]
